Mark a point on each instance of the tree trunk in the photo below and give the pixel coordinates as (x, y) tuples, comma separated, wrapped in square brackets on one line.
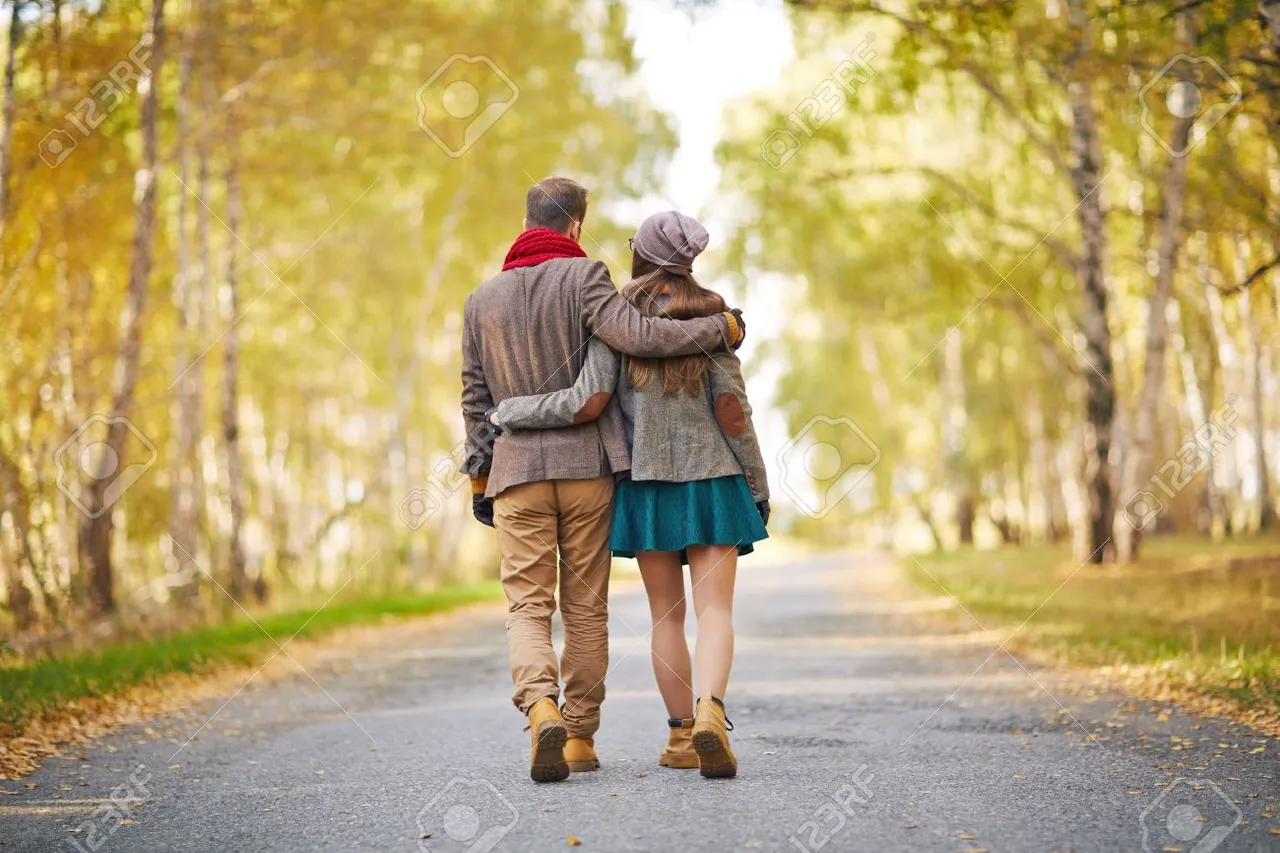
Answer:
[(954, 423), (1141, 449), (1086, 149), (1266, 507), (182, 525), (15, 503), (1197, 412), (1229, 358), (1040, 500), (1270, 13), (6, 135), (94, 540), (202, 304), (231, 394)]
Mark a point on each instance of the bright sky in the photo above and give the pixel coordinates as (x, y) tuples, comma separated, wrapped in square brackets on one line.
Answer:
[(693, 64)]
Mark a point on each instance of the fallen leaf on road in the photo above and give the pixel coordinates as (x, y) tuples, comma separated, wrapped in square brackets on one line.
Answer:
[(967, 836), (574, 842), (753, 844), (127, 822), (908, 826), (1273, 830)]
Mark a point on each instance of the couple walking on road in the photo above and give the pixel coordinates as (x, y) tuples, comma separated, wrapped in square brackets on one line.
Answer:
[(602, 421)]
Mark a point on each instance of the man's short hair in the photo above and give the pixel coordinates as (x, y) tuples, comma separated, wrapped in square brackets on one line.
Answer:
[(555, 203)]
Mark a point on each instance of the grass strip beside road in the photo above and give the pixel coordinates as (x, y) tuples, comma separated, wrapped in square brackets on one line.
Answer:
[(1197, 617), (31, 688)]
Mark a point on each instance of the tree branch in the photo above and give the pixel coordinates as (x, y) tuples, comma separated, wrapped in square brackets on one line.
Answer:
[(1253, 276), (979, 75)]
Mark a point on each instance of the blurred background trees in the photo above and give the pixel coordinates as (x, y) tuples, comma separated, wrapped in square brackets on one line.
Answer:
[(1031, 252), (233, 271), (1040, 240)]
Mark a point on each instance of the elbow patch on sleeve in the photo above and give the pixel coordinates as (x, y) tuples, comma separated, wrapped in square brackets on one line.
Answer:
[(730, 416), (593, 408)]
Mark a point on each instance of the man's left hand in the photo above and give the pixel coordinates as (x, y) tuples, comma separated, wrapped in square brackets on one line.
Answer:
[(482, 509)]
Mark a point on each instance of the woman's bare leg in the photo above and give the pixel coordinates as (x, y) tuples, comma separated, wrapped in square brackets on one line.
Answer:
[(664, 582), (713, 569)]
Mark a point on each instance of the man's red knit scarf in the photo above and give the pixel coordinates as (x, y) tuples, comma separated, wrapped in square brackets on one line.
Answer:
[(539, 245)]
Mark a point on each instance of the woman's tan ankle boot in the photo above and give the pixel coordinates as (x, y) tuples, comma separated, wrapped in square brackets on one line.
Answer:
[(679, 750), (711, 740)]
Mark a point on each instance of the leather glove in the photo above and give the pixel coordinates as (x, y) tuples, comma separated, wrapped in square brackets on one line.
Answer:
[(482, 509), (491, 418), (763, 507)]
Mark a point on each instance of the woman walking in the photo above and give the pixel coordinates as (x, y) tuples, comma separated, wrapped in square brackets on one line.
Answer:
[(696, 493)]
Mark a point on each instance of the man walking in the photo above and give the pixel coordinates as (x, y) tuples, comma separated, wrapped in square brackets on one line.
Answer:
[(549, 493)]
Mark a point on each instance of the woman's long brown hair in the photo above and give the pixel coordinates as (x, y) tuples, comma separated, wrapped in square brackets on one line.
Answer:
[(661, 293)]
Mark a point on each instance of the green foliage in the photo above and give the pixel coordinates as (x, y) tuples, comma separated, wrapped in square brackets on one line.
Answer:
[(359, 239), (936, 196)]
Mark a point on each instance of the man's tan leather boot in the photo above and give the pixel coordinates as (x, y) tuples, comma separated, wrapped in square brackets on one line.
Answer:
[(547, 762)]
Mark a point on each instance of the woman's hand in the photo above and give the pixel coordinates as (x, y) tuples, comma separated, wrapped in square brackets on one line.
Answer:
[(763, 507)]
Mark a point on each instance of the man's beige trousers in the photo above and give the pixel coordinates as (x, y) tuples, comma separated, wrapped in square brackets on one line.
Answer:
[(532, 520)]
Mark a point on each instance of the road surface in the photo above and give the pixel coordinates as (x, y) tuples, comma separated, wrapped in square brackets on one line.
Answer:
[(864, 723)]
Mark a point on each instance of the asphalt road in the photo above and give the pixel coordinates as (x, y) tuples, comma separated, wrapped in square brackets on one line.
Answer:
[(861, 725)]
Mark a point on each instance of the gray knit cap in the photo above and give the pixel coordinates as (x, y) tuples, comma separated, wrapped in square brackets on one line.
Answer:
[(671, 240)]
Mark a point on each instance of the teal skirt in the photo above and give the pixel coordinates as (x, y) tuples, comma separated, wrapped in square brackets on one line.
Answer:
[(650, 515)]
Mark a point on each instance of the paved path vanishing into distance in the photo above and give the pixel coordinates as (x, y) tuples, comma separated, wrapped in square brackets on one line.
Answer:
[(866, 721)]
